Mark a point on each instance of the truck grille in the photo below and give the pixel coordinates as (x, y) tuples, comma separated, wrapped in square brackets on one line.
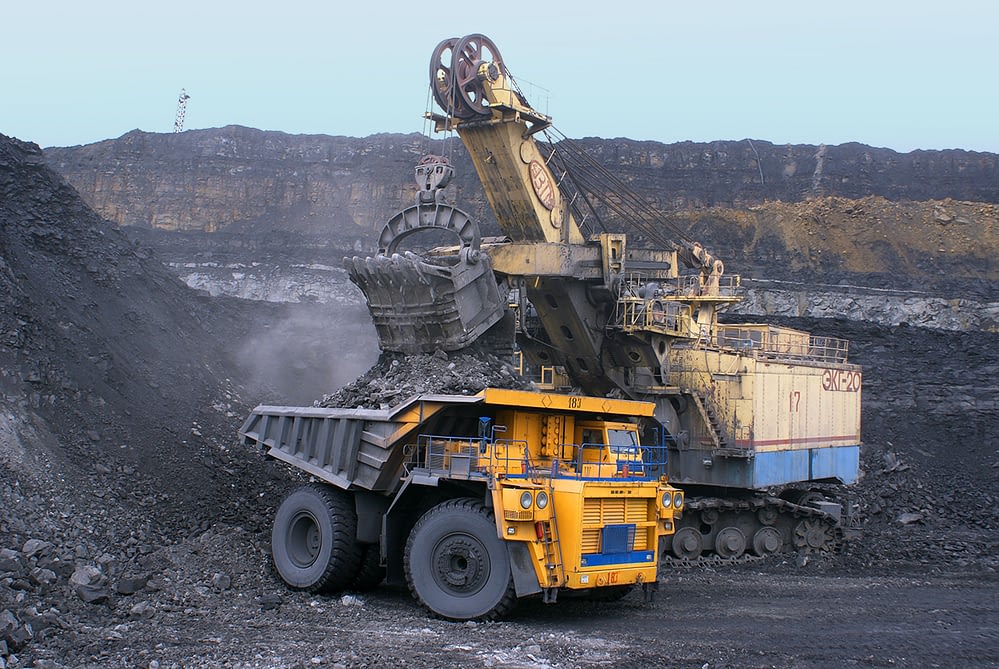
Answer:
[(600, 511)]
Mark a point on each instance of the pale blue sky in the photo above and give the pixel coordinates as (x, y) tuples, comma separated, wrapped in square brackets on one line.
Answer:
[(903, 75)]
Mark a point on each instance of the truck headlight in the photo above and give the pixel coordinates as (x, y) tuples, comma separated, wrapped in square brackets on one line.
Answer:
[(667, 500), (526, 499), (677, 500), (542, 499)]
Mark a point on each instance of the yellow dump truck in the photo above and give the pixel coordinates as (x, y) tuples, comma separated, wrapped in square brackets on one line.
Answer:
[(473, 501)]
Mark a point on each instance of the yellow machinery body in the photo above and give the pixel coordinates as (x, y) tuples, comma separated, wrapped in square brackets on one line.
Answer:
[(750, 406), (606, 505), (576, 497)]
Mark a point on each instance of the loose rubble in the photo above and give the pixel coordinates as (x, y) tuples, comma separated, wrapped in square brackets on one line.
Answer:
[(396, 377), (134, 529)]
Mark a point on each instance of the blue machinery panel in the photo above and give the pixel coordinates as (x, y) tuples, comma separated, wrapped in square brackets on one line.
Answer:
[(778, 467), (616, 542), (763, 469)]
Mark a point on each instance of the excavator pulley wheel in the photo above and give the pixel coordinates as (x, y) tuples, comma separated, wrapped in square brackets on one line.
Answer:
[(442, 80), (470, 54)]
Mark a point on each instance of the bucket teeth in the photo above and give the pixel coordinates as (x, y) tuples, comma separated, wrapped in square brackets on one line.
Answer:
[(419, 307)]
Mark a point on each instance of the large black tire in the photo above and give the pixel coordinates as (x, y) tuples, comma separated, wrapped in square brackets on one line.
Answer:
[(457, 566), (371, 572), (314, 540)]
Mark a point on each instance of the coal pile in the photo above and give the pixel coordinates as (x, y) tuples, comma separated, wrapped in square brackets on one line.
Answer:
[(117, 416), (101, 347), (396, 377), (931, 456)]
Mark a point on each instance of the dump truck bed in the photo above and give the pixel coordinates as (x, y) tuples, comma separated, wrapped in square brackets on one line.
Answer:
[(364, 449), (349, 448)]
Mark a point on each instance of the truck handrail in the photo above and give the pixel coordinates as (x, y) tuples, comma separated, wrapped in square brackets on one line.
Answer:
[(481, 457)]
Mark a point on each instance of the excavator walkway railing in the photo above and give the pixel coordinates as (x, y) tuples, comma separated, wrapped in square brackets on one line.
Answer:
[(768, 341)]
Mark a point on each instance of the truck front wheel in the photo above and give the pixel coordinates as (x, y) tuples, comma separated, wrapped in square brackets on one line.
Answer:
[(457, 566), (314, 540)]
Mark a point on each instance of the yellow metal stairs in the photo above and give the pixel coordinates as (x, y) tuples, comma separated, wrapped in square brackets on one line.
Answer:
[(716, 434), (548, 529)]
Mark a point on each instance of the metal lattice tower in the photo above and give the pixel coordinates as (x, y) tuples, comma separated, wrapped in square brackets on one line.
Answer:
[(178, 124)]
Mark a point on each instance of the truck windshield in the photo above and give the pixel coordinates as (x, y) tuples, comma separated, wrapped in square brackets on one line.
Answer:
[(623, 441)]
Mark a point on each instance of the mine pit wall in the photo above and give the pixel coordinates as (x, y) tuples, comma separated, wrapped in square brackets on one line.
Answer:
[(760, 409), (882, 306), (327, 284)]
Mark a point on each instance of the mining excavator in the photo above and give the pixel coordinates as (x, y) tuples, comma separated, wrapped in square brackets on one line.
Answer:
[(670, 435), (763, 422)]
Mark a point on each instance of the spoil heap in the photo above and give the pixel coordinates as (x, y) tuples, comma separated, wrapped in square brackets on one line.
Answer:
[(930, 494), (114, 362), (116, 415)]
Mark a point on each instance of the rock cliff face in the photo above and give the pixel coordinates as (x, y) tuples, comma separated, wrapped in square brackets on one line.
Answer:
[(243, 180), (894, 238), (249, 180), (742, 173)]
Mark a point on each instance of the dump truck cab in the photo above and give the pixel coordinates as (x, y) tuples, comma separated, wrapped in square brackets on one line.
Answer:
[(611, 443)]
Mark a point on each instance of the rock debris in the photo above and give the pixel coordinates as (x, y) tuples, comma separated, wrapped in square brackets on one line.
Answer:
[(134, 529)]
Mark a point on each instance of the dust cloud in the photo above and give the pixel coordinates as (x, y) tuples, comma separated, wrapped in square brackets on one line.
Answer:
[(301, 352)]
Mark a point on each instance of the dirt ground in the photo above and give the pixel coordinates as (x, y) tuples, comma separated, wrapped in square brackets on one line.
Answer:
[(768, 614), (134, 527)]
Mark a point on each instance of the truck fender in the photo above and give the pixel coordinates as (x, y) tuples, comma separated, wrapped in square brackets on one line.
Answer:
[(525, 580), (371, 508)]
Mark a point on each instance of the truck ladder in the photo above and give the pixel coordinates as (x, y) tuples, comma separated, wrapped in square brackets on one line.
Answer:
[(549, 536)]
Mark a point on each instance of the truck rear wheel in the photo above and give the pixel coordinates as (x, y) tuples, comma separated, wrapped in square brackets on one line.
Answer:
[(457, 566), (313, 542), (371, 572)]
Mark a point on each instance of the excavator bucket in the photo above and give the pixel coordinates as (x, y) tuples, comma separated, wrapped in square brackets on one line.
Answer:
[(446, 300), (419, 307)]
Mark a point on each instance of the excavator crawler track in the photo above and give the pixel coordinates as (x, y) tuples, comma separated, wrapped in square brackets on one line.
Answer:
[(720, 531)]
